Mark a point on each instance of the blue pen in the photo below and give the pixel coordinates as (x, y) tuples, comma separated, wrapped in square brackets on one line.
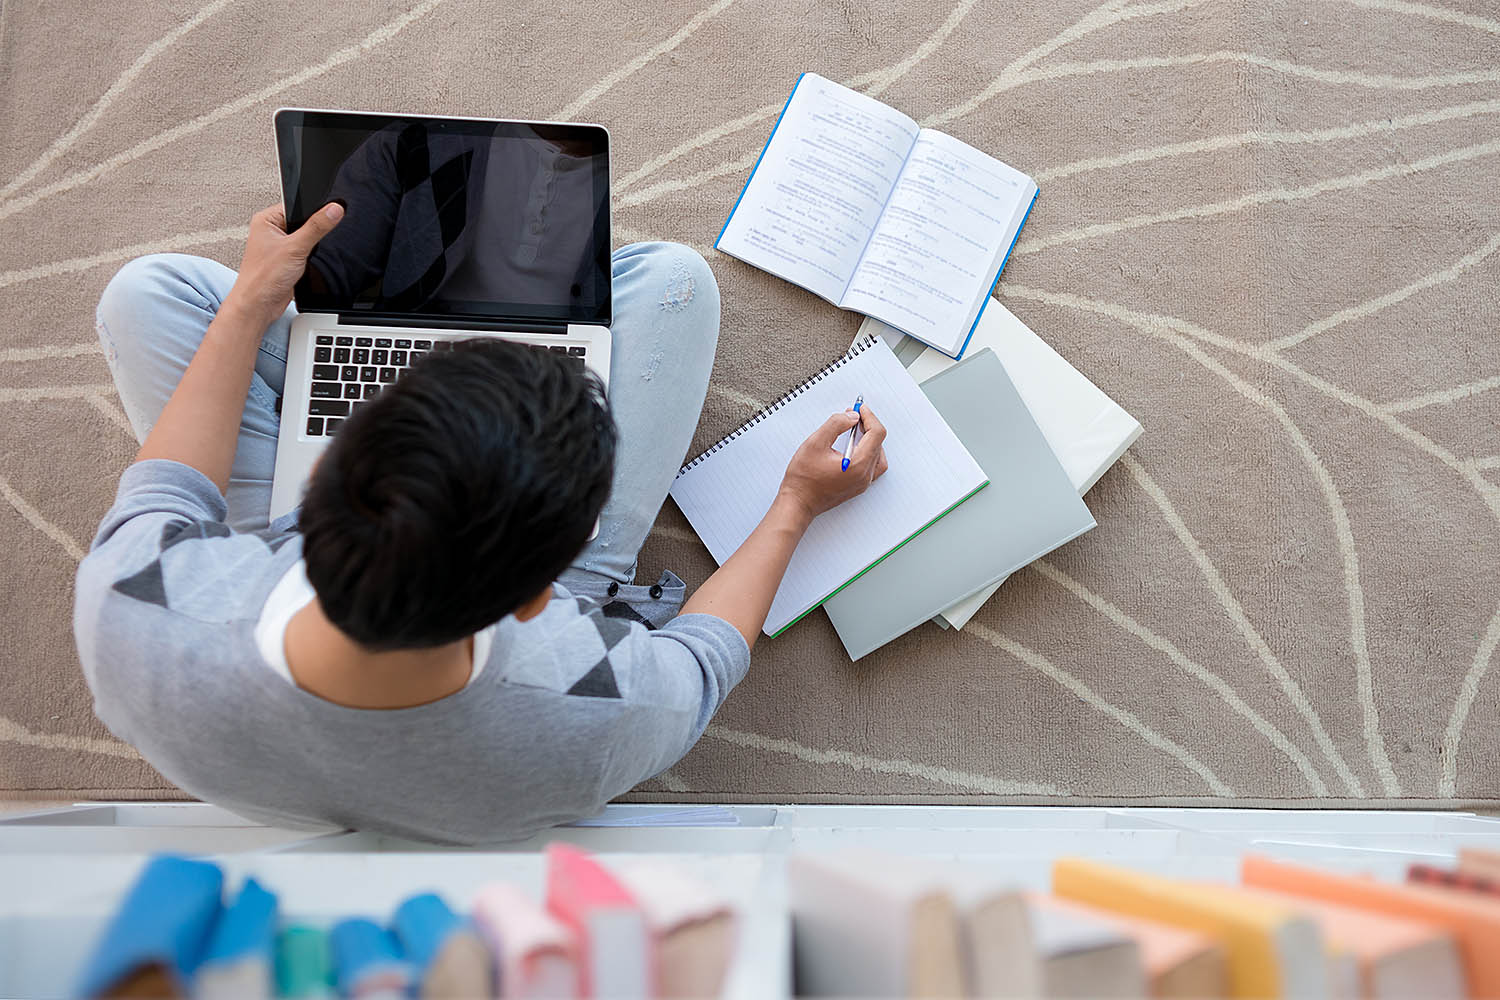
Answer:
[(849, 444)]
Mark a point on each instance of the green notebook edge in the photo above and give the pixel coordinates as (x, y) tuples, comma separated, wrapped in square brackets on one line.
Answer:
[(884, 556)]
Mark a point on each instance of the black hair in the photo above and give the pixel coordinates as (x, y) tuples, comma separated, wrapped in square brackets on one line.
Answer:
[(457, 494)]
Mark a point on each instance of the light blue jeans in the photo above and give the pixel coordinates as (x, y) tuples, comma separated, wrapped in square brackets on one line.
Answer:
[(154, 312)]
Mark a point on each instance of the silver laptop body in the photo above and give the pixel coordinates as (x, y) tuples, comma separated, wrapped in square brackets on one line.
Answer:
[(338, 359)]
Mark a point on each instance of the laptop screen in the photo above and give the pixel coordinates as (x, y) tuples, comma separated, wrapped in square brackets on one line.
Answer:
[(451, 217)]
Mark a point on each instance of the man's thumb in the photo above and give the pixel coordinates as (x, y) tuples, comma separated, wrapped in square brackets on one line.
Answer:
[(319, 225)]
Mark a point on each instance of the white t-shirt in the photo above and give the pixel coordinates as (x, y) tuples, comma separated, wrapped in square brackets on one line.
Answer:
[(293, 593), (531, 235)]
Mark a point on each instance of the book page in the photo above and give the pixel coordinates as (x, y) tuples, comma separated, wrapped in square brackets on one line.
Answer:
[(727, 491), (822, 181), (940, 243)]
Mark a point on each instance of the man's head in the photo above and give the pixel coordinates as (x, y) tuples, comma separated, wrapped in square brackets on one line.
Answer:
[(457, 495)]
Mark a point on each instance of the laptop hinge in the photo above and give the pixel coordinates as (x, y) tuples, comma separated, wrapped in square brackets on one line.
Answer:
[(454, 323)]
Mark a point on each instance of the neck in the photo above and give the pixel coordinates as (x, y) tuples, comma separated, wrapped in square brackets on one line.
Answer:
[(325, 662)]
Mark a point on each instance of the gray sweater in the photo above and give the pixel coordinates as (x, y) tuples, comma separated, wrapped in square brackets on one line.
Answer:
[(572, 708)]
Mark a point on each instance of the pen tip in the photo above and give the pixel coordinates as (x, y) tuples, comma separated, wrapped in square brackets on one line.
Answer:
[(845, 466)]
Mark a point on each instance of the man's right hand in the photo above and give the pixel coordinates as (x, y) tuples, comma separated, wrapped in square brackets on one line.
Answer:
[(274, 260), (816, 480)]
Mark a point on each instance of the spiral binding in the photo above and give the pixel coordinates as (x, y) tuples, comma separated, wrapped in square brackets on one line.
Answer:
[(858, 348)]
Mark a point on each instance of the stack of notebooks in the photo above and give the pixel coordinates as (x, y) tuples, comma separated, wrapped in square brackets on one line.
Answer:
[(993, 438), (879, 926), (638, 930)]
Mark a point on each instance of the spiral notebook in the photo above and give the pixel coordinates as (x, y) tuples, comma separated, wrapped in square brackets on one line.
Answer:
[(727, 490)]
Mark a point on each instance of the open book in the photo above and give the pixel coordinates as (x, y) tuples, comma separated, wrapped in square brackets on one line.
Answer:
[(854, 202)]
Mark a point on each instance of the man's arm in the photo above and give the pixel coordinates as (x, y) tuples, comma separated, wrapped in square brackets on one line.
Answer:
[(742, 589), (687, 668), (200, 424)]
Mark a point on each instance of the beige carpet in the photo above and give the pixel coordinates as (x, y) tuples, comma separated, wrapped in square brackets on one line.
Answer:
[(1271, 231)]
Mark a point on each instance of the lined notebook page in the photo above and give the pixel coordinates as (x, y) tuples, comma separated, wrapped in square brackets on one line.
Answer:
[(728, 489)]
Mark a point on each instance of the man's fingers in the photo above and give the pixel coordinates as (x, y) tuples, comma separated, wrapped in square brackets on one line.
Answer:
[(318, 225), (870, 444), (275, 215), (835, 425), (880, 466), (871, 424)]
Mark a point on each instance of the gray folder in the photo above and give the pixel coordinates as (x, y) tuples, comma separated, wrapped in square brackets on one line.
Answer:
[(1030, 508)]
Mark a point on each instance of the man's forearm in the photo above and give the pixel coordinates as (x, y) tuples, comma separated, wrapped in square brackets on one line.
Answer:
[(201, 423), (742, 589)]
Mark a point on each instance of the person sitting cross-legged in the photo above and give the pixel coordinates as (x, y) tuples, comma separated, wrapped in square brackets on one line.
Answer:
[(432, 646)]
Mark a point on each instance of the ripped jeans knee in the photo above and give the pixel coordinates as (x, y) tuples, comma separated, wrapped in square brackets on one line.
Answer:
[(681, 287)]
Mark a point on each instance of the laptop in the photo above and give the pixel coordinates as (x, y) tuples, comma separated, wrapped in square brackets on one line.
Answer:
[(454, 228)]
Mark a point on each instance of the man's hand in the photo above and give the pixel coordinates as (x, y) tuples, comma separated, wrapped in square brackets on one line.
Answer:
[(742, 589), (274, 261), (816, 480)]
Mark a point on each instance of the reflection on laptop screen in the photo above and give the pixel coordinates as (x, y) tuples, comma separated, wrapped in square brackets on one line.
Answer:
[(455, 217)]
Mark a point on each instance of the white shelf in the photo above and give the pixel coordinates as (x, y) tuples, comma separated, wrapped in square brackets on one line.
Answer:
[(62, 871)]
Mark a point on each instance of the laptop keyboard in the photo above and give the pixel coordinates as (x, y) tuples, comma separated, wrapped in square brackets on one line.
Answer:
[(350, 370)]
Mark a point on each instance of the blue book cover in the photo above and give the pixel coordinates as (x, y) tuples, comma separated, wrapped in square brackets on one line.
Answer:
[(447, 954), (239, 957), (367, 959), (163, 924), (422, 925), (247, 927)]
